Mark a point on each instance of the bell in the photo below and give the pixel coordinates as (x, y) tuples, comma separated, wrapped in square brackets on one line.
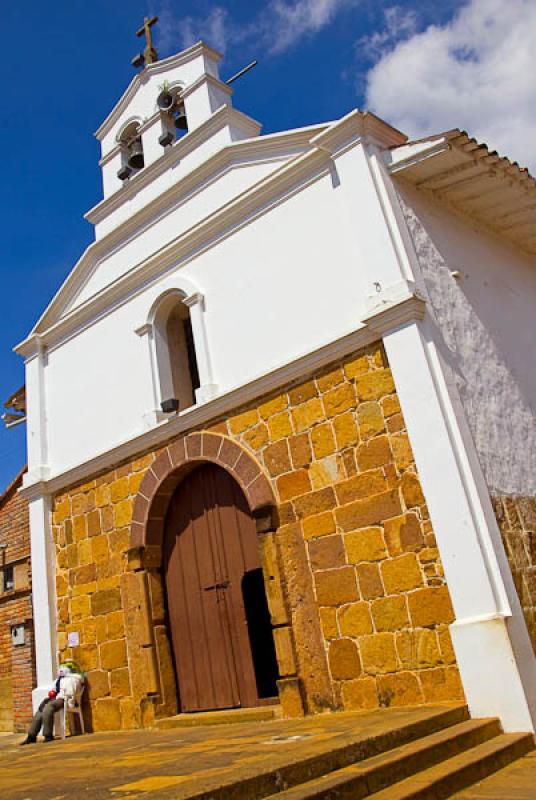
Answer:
[(165, 100), (135, 158), (180, 120)]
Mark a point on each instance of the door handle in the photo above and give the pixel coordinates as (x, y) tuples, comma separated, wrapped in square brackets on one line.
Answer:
[(221, 585)]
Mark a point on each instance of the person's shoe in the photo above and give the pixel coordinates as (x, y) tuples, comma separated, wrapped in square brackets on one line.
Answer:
[(48, 739), (28, 740)]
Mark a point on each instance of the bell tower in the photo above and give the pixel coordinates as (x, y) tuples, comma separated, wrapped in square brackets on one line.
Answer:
[(175, 113)]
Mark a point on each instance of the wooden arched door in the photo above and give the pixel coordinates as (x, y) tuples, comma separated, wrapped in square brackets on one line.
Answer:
[(220, 629)]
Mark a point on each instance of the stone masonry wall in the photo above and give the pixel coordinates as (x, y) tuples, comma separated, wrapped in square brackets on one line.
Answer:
[(17, 664), (516, 517), (361, 573)]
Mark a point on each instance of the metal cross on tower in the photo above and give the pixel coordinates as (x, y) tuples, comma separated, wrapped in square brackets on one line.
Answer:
[(149, 55)]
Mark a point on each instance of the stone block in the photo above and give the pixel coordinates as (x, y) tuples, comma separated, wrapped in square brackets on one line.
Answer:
[(402, 452), (441, 685), (87, 657), (355, 620), (318, 525), (115, 625), (307, 414), (280, 426), (411, 490), (119, 540), (359, 486), (378, 653), (98, 684), (390, 613), (94, 523), (369, 511), (79, 504), (400, 689), (330, 379), (370, 582), (339, 400), (273, 406), (277, 458), (302, 393), (326, 553), (107, 518), (345, 428), (119, 490), (430, 606), (390, 405), (256, 437), (99, 548), (272, 580), (85, 556), (365, 545), (284, 648), (326, 472), (130, 714), (134, 483), (113, 655), (374, 453), (300, 450), (401, 574), (315, 502), (107, 715), (242, 422), (80, 607), (80, 575), (290, 697), (445, 644), (375, 385), (403, 534), (123, 513), (120, 683), (79, 528), (336, 586), (370, 419), (428, 653), (358, 366), (344, 661), (105, 602), (293, 484), (323, 440), (360, 694), (328, 622)]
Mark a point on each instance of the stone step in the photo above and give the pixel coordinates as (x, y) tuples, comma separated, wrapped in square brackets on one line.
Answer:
[(225, 717), (272, 782), (370, 775), (445, 779)]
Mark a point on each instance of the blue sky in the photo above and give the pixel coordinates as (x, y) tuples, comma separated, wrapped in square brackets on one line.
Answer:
[(422, 65)]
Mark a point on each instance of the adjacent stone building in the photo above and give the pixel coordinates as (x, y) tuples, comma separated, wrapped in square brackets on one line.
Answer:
[(268, 414), (17, 659)]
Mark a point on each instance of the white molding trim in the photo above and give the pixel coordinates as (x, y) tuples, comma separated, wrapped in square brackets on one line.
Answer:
[(197, 415)]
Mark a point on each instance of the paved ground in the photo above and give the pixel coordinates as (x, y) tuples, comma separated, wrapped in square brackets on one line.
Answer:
[(177, 764)]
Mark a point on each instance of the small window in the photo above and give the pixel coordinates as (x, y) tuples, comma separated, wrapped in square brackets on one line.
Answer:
[(176, 355), (8, 575)]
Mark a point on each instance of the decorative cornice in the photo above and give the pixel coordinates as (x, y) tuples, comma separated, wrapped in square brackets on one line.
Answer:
[(206, 78), (379, 323), (154, 69)]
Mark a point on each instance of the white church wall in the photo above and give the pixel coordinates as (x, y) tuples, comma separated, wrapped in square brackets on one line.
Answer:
[(278, 288), (486, 316)]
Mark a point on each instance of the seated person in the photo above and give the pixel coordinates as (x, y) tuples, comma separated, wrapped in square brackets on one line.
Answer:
[(66, 689)]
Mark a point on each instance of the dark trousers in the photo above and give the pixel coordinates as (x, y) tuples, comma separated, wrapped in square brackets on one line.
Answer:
[(45, 719)]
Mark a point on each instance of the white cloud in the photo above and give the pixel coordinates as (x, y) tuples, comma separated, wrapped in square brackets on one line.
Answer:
[(279, 26), (477, 72)]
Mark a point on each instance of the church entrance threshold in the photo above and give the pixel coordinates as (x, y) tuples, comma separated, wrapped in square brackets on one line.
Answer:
[(217, 612)]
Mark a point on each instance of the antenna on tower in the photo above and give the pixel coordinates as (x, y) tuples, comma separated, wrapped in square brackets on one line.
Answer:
[(242, 72)]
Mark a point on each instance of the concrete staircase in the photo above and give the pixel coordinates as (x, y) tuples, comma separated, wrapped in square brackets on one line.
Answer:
[(427, 761)]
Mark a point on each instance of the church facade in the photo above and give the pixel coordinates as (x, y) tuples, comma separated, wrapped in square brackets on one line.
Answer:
[(279, 418)]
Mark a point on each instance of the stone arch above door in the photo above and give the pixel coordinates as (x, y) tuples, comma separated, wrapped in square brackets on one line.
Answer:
[(179, 458)]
